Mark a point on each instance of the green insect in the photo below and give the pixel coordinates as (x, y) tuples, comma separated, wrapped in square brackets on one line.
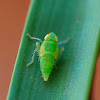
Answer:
[(48, 53)]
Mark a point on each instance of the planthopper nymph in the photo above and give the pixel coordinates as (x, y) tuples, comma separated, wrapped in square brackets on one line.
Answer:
[(48, 53)]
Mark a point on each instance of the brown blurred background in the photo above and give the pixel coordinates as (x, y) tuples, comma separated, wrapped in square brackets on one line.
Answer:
[(12, 19)]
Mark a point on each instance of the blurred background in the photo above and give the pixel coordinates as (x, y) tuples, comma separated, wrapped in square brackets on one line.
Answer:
[(12, 20)]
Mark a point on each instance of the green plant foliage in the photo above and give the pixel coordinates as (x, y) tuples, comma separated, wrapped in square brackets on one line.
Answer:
[(77, 19)]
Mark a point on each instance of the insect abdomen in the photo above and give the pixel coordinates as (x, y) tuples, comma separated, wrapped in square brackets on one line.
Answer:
[(46, 65)]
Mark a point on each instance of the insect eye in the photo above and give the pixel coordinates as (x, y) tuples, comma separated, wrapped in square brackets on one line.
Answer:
[(56, 38), (46, 36)]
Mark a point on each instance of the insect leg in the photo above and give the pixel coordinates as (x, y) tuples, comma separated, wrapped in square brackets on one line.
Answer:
[(65, 41), (59, 54), (32, 58), (60, 51), (36, 50), (34, 37), (55, 66), (38, 47)]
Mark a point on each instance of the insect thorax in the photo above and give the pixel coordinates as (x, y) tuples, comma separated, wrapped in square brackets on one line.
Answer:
[(49, 47)]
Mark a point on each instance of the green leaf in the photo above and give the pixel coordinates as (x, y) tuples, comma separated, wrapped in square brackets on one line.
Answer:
[(76, 19)]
